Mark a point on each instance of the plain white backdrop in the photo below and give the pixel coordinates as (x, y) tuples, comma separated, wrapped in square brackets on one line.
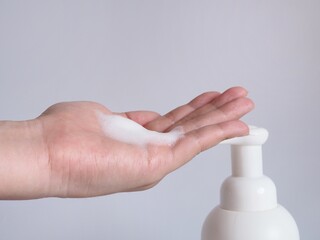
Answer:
[(155, 55)]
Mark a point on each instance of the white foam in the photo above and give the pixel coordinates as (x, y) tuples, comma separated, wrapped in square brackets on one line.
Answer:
[(125, 130)]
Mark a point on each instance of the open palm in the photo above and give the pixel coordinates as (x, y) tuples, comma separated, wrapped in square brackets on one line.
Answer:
[(84, 162)]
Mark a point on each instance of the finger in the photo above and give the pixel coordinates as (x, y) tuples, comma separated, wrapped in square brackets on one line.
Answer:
[(202, 139), (228, 96), (165, 121), (141, 117), (230, 111)]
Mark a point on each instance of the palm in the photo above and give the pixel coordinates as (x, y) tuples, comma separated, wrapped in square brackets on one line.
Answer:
[(85, 162)]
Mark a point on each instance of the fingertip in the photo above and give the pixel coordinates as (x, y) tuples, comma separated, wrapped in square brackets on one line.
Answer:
[(243, 128), (246, 103), (237, 91), (230, 95)]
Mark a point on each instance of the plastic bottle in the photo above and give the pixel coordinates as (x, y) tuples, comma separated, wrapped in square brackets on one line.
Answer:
[(248, 207)]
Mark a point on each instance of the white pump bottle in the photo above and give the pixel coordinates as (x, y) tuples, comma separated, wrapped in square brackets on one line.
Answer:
[(248, 209)]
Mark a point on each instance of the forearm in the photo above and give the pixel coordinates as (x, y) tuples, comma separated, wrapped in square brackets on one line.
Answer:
[(23, 161)]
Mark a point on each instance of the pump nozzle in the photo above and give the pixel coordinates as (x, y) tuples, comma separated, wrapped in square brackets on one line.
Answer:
[(246, 153), (256, 136)]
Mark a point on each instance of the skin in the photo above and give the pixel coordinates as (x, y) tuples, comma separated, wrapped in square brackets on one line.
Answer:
[(64, 152)]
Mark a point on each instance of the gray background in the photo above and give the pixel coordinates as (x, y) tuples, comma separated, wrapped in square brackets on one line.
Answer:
[(156, 55)]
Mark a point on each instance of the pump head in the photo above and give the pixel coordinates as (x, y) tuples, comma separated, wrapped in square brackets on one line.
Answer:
[(256, 136)]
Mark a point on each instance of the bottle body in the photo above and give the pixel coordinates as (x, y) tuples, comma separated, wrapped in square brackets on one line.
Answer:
[(272, 224)]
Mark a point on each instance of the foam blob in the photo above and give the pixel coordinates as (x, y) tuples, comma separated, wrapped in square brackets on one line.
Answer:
[(128, 131)]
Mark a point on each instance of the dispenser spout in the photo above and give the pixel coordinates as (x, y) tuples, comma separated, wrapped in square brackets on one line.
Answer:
[(246, 153)]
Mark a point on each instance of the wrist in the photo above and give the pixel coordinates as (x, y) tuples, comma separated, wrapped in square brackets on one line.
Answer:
[(24, 169)]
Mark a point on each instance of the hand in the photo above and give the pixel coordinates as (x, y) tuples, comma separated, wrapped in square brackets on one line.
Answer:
[(70, 156)]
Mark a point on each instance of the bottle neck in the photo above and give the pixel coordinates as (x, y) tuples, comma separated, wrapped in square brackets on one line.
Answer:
[(247, 189), (246, 161)]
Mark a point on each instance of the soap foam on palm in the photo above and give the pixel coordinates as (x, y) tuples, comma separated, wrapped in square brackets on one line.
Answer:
[(128, 131)]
